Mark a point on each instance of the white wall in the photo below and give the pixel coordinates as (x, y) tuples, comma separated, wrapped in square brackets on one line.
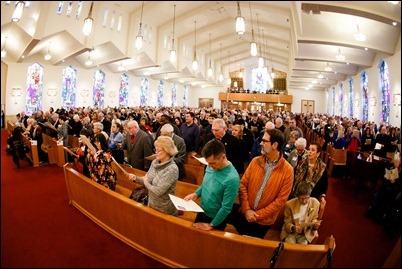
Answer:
[(317, 96)]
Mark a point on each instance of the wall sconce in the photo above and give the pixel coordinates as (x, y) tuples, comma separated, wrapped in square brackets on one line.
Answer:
[(52, 92), (88, 22), (373, 101), (84, 93), (16, 92), (397, 99), (19, 7)]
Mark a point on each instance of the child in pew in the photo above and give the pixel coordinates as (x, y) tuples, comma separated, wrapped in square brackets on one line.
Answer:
[(301, 216)]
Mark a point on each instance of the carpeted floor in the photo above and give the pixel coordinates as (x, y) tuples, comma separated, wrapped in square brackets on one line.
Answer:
[(40, 229)]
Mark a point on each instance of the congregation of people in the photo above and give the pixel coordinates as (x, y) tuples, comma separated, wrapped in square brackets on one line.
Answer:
[(260, 165)]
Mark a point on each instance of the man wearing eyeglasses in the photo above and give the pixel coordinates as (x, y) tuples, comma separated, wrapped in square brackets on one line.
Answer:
[(264, 188)]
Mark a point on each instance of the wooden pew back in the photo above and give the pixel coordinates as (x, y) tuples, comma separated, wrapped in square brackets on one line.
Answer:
[(32, 155), (174, 241), (54, 150), (10, 127)]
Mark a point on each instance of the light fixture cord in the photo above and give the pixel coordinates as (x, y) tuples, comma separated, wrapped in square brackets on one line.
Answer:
[(195, 39), (251, 16), (174, 18), (142, 10), (259, 33), (210, 55)]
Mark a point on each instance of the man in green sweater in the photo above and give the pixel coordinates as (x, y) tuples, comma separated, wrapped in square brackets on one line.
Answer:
[(218, 190)]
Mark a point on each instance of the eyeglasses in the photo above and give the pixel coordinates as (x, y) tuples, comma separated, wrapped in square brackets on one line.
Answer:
[(265, 141)]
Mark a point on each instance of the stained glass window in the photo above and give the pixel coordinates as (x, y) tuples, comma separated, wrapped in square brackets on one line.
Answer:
[(340, 99), (385, 91), (185, 93), (174, 94), (350, 100), (99, 89), (33, 99), (365, 96), (123, 90), (161, 87), (69, 85), (144, 92)]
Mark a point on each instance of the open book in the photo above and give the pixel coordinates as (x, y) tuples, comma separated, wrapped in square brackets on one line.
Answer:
[(184, 205)]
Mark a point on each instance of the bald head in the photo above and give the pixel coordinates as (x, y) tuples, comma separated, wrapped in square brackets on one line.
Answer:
[(269, 125)]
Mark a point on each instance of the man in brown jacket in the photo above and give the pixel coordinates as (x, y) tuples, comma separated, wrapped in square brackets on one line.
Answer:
[(264, 188)]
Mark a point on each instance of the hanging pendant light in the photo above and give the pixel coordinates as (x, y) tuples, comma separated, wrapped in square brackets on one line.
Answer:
[(253, 44), (195, 63), (19, 8), (210, 71), (328, 68), (88, 61), (220, 74), (48, 56), (139, 39), (340, 56), (240, 25), (3, 50), (230, 78), (260, 58), (172, 56), (88, 22)]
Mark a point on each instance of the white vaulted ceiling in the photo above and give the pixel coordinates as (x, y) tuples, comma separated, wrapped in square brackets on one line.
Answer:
[(297, 37)]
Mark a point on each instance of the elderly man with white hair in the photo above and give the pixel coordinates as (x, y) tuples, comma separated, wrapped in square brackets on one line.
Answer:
[(256, 149)]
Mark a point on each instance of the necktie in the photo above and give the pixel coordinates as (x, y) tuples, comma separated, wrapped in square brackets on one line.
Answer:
[(132, 139)]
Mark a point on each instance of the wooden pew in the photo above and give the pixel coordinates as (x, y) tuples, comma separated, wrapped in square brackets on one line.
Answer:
[(73, 141), (10, 127), (194, 170), (54, 150), (32, 155), (173, 240)]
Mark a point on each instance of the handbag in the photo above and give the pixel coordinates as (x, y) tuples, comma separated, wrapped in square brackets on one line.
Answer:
[(140, 195)]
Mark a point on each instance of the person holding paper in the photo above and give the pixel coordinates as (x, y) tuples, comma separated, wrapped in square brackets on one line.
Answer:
[(384, 142), (301, 216), (162, 176), (218, 190), (99, 163)]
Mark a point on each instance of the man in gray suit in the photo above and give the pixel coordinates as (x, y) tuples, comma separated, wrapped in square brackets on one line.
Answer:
[(168, 130), (138, 145)]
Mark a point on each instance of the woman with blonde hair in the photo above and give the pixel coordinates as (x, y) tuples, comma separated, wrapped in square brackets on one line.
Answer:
[(162, 176)]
